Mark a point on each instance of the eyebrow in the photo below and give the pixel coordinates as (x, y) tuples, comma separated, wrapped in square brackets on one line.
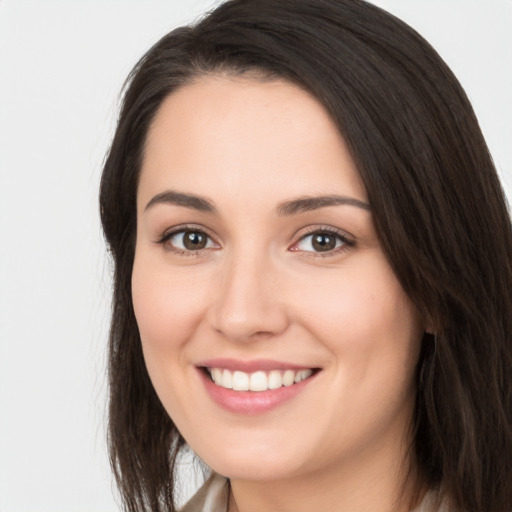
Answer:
[(180, 199), (293, 207), (306, 204)]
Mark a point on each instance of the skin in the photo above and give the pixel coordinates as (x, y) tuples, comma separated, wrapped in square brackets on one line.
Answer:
[(260, 290)]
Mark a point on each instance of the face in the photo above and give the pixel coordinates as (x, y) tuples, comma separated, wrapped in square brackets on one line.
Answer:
[(273, 328)]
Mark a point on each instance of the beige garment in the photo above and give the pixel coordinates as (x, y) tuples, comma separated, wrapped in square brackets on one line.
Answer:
[(213, 496)]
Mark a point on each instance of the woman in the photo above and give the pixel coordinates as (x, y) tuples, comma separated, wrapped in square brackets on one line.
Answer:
[(312, 270)]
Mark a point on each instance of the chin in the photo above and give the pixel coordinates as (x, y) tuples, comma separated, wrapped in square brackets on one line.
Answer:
[(253, 470), (251, 462)]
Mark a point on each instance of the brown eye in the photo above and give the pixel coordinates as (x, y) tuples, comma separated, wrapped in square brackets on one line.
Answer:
[(323, 242), (188, 240), (194, 240)]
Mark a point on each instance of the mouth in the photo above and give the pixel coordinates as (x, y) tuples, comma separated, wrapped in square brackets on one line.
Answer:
[(254, 387), (258, 381)]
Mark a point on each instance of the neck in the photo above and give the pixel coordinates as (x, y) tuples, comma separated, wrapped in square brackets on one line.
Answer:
[(373, 483)]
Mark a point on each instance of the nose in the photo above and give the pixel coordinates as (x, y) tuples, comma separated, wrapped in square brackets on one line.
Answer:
[(249, 303)]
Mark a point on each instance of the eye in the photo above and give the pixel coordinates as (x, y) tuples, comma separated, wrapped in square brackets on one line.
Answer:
[(187, 240), (322, 241)]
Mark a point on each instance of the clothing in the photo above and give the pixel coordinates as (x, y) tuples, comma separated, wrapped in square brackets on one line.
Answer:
[(213, 496)]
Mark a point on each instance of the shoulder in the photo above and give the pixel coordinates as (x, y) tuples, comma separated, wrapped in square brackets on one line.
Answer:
[(211, 497)]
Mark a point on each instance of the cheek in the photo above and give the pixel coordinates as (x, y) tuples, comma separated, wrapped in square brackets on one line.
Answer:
[(373, 333), (168, 305), (363, 317), (167, 309)]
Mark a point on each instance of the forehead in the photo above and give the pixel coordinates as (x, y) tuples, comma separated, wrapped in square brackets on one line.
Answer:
[(244, 135)]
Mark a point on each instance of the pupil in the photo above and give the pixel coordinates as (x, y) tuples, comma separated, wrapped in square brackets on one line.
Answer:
[(194, 240), (324, 242)]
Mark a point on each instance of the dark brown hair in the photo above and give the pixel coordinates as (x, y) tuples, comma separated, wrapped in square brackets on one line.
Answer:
[(439, 211)]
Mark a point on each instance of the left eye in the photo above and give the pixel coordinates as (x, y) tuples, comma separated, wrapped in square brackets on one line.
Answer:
[(190, 240), (320, 241)]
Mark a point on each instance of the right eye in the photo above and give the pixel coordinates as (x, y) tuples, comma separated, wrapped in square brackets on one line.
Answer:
[(187, 240)]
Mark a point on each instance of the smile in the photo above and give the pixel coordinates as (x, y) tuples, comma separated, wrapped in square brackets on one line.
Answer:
[(254, 387), (257, 381)]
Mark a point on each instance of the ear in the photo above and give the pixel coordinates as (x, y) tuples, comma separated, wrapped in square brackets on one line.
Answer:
[(428, 326)]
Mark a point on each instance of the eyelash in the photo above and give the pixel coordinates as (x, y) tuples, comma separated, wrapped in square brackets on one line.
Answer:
[(164, 240), (346, 243)]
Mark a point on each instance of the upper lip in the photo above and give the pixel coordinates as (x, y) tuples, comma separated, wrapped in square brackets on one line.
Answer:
[(251, 366)]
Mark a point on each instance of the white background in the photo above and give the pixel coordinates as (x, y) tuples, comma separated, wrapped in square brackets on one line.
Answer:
[(62, 64)]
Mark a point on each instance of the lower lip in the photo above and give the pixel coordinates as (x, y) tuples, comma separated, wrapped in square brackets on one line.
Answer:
[(252, 402)]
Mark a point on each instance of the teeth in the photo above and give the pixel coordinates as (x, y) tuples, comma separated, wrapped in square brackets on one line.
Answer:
[(257, 381), (274, 380), (240, 381), (303, 374), (288, 378), (227, 380), (216, 374)]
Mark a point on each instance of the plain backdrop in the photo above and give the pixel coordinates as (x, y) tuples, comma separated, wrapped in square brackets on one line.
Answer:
[(62, 65)]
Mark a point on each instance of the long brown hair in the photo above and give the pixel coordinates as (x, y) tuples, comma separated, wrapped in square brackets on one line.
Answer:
[(439, 211)]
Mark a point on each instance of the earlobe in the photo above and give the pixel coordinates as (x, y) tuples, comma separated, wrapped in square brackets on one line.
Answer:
[(428, 325)]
